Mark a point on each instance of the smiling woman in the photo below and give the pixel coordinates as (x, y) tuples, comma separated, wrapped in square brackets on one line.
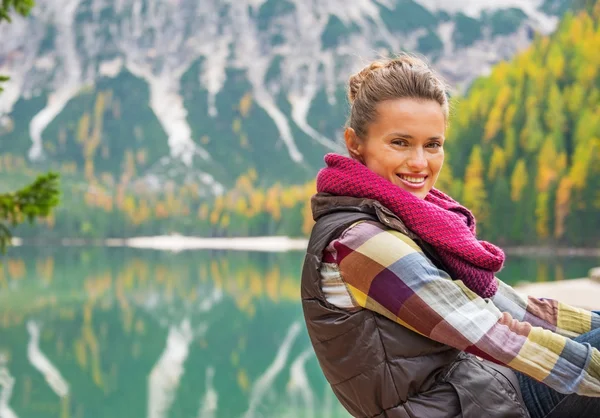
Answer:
[(405, 146), (397, 122), (400, 298)]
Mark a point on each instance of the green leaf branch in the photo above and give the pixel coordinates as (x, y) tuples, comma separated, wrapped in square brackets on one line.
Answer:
[(34, 201)]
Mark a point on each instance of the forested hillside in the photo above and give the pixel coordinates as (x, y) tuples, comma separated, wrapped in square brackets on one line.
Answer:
[(523, 152), (524, 145)]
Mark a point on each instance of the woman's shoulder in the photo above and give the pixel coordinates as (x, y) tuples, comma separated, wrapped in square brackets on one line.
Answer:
[(372, 237)]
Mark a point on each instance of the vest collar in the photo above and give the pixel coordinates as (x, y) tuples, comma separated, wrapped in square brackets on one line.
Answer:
[(323, 204)]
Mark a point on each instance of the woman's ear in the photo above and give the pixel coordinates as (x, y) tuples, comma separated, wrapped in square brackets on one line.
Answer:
[(353, 144)]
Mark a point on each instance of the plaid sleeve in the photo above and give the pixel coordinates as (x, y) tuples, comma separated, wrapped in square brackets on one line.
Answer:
[(385, 271), (549, 314)]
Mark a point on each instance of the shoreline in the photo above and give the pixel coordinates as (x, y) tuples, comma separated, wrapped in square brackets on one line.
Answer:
[(582, 293), (279, 243), (177, 243), (552, 251)]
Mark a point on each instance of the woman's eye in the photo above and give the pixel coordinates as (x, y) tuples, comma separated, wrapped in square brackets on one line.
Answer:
[(400, 142), (434, 145)]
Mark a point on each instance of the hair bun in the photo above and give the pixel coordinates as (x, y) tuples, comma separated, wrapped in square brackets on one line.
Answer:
[(356, 80)]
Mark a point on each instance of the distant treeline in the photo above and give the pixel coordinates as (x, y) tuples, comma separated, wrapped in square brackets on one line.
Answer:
[(523, 152)]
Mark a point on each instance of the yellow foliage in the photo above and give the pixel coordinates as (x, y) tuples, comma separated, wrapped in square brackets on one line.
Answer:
[(574, 97), (129, 170), (80, 353), (561, 209), (243, 381), (548, 166), (307, 219), (584, 153), (542, 272), (257, 201), (474, 193), (497, 163), (83, 128), (510, 143), (203, 212), (45, 269), (273, 202), (252, 174), (237, 126), (556, 61), (246, 104), (99, 110), (518, 180), (244, 183), (542, 214), (288, 198), (509, 115), (89, 169), (241, 206), (225, 220), (445, 179), (16, 268), (214, 216), (494, 122), (160, 211)]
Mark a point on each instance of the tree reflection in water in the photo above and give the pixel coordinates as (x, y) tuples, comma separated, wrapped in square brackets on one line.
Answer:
[(133, 333), (144, 333)]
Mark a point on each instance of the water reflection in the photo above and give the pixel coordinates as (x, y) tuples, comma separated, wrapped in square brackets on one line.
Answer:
[(545, 268), (208, 407), (40, 361), (166, 374), (95, 332), (6, 384)]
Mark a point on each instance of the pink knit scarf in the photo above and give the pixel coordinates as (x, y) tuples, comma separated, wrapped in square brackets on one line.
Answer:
[(438, 220)]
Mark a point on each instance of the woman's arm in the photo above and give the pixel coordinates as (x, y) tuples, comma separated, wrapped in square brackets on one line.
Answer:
[(386, 272), (546, 313)]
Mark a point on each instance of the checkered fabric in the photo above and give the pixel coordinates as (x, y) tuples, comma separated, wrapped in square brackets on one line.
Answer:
[(385, 271)]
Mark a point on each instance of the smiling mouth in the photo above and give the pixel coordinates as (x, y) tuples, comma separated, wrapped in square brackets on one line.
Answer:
[(412, 182)]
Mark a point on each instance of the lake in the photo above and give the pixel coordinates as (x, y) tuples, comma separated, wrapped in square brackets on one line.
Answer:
[(121, 332)]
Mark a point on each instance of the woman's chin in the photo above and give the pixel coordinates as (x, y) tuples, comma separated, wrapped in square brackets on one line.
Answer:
[(419, 193)]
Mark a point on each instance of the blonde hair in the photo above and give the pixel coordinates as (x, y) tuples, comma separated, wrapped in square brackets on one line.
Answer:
[(404, 76)]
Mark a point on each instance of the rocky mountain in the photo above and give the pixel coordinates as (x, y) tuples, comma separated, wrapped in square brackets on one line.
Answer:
[(203, 91)]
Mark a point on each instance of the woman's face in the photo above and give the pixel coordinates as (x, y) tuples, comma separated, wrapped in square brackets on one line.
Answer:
[(404, 144)]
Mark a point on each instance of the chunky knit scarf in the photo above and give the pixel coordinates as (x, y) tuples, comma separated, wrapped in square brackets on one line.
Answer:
[(438, 220)]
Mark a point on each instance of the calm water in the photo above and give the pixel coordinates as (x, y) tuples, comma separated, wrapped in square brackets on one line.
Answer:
[(96, 332)]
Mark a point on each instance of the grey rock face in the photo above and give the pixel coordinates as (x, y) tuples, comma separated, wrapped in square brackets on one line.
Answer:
[(67, 46)]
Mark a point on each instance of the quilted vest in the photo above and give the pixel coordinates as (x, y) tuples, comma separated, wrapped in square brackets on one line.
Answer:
[(378, 368)]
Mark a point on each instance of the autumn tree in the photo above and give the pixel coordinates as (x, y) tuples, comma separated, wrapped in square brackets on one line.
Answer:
[(474, 193), (39, 198)]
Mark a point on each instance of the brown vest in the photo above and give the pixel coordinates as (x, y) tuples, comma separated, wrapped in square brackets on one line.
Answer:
[(378, 368)]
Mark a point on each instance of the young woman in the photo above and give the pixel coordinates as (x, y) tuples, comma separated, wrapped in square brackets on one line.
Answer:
[(400, 298)]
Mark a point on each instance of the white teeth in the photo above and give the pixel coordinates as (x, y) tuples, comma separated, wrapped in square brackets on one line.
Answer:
[(413, 179)]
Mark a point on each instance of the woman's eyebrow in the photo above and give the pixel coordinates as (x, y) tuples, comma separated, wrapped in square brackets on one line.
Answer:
[(408, 136)]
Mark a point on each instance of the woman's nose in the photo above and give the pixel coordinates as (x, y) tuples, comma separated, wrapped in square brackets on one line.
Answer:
[(417, 160)]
